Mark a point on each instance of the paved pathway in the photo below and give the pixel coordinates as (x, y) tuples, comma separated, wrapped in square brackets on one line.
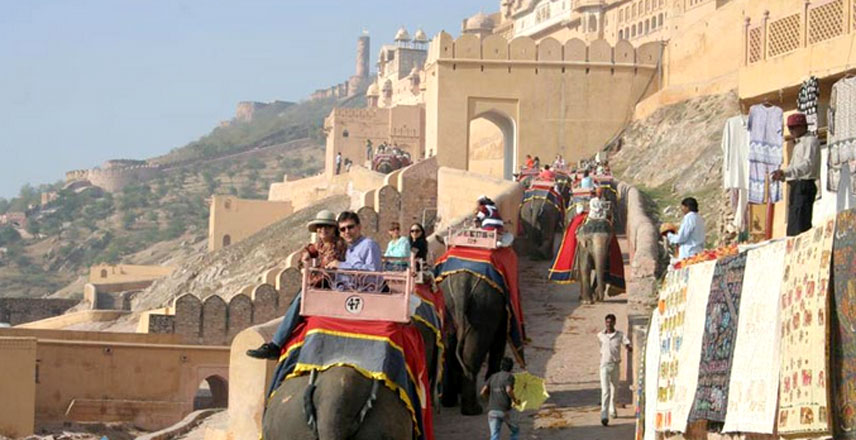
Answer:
[(565, 351)]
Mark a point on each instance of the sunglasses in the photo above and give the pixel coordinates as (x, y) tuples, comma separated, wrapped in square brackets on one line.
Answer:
[(415, 230), (347, 227)]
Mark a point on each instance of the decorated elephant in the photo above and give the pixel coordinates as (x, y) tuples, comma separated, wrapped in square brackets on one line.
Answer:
[(599, 262), (542, 214), (388, 162), (342, 403), (479, 320)]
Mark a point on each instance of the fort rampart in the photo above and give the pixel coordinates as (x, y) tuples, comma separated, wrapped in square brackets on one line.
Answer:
[(116, 178), (14, 311)]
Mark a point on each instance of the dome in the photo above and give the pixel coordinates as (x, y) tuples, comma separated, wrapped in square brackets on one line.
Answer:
[(420, 37), (402, 35), (372, 90), (480, 21)]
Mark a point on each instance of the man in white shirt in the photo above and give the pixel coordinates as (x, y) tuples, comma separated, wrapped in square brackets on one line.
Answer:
[(598, 207), (690, 236), (801, 174), (611, 341)]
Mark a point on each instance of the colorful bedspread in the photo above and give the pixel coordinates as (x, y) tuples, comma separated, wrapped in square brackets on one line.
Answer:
[(803, 398), (498, 268), (564, 265), (390, 352), (844, 329)]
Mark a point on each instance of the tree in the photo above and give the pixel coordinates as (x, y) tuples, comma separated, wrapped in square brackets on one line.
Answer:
[(8, 235)]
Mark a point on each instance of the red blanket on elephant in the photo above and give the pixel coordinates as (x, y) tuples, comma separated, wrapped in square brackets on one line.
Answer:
[(390, 352), (497, 267), (562, 270)]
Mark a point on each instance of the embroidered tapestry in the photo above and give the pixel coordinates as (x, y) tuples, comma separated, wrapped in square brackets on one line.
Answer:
[(803, 403), (844, 326), (720, 334), (698, 291), (670, 307), (754, 385), (652, 362)]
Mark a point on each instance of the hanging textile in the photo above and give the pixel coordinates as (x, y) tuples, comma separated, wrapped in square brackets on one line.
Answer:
[(765, 151), (843, 374), (651, 367), (735, 165), (842, 132), (803, 402), (720, 334), (807, 102), (754, 386), (689, 354), (671, 309)]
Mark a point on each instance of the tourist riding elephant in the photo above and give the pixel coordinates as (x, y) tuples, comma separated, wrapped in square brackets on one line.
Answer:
[(541, 219), (340, 400), (593, 241), (479, 320)]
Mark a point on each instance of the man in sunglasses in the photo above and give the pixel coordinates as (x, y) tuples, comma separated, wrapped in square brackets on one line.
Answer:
[(363, 253)]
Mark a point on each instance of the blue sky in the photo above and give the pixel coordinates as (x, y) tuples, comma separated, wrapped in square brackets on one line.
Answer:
[(84, 81)]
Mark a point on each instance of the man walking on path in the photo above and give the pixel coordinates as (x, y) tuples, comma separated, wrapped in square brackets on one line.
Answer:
[(500, 387), (611, 341), (801, 174)]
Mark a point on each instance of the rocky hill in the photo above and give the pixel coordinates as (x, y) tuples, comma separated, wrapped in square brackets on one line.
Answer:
[(676, 153)]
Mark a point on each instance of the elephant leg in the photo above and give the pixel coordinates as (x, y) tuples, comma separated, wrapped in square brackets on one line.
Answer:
[(284, 417), (476, 346), (451, 375), (601, 265), (585, 280), (497, 350)]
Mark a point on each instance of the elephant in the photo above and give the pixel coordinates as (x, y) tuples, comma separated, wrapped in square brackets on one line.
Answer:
[(343, 408), (479, 316), (593, 240), (541, 220)]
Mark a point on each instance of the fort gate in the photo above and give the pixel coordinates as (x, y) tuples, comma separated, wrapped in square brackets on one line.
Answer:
[(569, 99)]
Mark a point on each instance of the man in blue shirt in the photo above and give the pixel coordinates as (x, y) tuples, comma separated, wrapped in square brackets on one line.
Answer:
[(690, 236), (363, 254), (587, 182)]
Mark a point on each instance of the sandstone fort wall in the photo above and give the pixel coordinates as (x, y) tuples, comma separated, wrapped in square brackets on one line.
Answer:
[(232, 219), (16, 311), (114, 179), (120, 273)]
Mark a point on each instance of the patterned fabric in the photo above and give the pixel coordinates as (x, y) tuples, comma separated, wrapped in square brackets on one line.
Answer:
[(670, 308), (844, 326), (754, 385), (652, 363), (720, 334), (842, 131), (807, 102), (698, 289), (765, 151), (803, 403), (564, 265)]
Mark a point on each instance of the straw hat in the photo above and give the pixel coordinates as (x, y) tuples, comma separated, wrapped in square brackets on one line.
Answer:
[(323, 218)]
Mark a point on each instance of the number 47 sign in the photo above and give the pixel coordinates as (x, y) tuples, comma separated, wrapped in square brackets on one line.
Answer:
[(354, 304)]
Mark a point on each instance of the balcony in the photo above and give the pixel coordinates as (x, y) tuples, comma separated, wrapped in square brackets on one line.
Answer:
[(780, 51), (580, 5)]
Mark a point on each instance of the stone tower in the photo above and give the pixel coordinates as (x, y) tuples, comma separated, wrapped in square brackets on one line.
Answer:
[(363, 50)]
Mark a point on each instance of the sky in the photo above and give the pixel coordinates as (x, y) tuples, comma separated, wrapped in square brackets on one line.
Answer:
[(85, 81)]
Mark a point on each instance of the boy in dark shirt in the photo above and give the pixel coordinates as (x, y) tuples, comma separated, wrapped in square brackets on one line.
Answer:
[(500, 387)]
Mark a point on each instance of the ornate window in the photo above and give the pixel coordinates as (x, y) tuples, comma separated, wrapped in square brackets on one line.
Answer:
[(621, 34), (660, 20)]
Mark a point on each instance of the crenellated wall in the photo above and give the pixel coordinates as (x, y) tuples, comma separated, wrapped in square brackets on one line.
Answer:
[(549, 97)]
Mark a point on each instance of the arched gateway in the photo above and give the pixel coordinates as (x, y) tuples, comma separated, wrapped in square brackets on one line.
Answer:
[(543, 98)]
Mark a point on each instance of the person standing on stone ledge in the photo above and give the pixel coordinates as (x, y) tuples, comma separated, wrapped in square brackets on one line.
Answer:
[(800, 174), (338, 163)]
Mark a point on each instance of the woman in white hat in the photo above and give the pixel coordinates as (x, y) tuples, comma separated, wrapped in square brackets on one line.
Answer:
[(327, 248)]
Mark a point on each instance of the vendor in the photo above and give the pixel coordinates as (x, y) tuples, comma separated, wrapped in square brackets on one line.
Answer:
[(690, 236), (800, 174)]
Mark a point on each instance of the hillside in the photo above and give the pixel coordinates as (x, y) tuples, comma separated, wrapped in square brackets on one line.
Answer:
[(163, 220), (228, 270), (676, 153)]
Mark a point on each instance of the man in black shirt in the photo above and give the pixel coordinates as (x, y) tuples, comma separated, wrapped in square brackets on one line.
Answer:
[(500, 387)]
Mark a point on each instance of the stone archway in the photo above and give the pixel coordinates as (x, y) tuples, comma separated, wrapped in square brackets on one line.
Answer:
[(213, 392), (492, 144)]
